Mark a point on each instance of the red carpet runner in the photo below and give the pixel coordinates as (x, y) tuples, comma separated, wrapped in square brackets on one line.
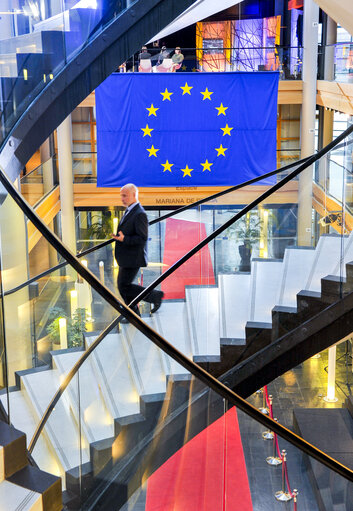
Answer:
[(196, 478), (180, 237)]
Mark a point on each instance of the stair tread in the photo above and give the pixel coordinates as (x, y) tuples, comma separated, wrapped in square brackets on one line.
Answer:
[(13, 496), (60, 427), (98, 422), (171, 322), (114, 375), (23, 419), (234, 290), (297, 263), (264, 285), (327, 253), (146, 360), (203, 314)]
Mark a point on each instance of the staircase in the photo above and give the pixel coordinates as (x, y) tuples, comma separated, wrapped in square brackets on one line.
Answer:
[(22, 486), (115, 400)]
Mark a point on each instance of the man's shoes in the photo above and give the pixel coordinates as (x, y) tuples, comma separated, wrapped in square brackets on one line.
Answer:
[(157, 303)]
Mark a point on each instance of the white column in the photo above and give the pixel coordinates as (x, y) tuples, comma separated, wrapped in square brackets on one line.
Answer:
[(66, 184), (14, 271), (307, 133)]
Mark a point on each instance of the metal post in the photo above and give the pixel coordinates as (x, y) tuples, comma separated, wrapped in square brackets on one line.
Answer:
[(282, 495)]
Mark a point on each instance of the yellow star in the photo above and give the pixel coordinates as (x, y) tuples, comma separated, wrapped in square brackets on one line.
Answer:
[(194, 69), (166, 94), (153, 151), (184, 67), (206, 166), (152, 110), (187, 171), (226, 130), (220, 150), (167, 166), (221, 109), (147, 131), (186, 89), (206, 94)]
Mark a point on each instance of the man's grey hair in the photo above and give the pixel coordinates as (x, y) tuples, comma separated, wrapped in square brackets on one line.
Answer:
[(131, 186)]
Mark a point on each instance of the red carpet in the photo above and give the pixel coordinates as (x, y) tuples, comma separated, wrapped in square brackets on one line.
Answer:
[(180, 237), (196, 478)]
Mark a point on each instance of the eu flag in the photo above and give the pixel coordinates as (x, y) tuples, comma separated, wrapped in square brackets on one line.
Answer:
[(186, 129)]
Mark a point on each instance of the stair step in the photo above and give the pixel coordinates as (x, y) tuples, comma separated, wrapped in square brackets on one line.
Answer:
[(203, 315), (46, 485), (234, 307), (114, 376), (264, 285), (61, 428), (16, 497), (327, 254), (296, 266), (23, 419), (171, 322), (97, 420), (12, 450), (146, 361)]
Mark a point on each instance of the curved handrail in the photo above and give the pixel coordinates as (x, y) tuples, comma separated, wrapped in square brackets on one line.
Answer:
[(157, 339), (159, 219)]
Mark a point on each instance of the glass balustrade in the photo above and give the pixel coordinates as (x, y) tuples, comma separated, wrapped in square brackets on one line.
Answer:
[(37, 42), (39, 182), (131, 408)]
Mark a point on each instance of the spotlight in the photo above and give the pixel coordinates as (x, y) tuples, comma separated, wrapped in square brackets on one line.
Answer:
[(331, 218)]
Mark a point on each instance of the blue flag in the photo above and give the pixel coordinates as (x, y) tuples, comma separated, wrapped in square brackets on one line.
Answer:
[(186, 129)]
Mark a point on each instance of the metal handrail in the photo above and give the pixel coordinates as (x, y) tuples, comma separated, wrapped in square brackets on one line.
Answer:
[(157, 339)]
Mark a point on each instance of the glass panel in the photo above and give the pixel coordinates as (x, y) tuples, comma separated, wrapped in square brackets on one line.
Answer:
[(39, 182), (131, 409), (143, 430), (85, 167), (38, 41)]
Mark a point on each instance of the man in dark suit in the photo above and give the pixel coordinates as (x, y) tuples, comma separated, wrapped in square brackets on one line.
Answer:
[(131, 248)]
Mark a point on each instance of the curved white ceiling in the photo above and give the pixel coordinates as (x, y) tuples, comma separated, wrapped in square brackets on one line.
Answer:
[(198, 11), (339, 10)]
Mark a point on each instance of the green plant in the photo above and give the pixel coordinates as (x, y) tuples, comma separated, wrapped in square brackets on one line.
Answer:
[(75, 327), (101, 227), (247, 229)]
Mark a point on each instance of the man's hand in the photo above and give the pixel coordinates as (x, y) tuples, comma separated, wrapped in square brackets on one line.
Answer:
[(119, 237)]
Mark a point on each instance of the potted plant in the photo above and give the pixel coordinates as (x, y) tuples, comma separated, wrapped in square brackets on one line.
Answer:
[(247, 232), (75, 326), (101, 229)]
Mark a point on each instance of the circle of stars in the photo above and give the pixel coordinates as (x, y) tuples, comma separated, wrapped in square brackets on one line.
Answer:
[(152, 112)]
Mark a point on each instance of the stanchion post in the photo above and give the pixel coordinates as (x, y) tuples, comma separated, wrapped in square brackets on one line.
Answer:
[(273, 460), (263, 409), (295, 494), (268, 434), (282, 495)]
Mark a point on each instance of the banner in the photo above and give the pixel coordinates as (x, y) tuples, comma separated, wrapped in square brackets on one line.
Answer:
[(186, 129)]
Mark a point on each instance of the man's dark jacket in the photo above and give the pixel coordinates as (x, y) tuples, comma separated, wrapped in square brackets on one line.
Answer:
[(132, 252)]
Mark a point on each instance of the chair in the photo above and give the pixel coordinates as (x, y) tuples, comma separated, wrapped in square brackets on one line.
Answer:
[(145, 66), (165, 67)]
